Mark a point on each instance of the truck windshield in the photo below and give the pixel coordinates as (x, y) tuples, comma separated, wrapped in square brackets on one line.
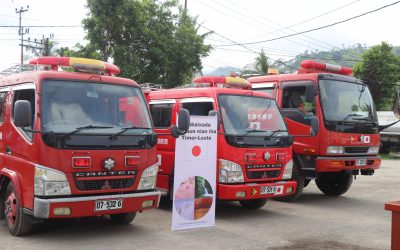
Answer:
[(347, 102), (74, 107), (250, 115)]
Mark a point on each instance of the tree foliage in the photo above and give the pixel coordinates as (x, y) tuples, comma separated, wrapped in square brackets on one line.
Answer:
[(258, 67), (380, 69), (150, 41), (261, 63), (80, 50)]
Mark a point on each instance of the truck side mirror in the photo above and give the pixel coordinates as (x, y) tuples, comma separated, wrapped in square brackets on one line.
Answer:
[(310, 93), (314, 125), (22, 113), (183, 123), (215, 113)]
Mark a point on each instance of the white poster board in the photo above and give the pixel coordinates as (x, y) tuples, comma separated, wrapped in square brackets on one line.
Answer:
[(195, 175)]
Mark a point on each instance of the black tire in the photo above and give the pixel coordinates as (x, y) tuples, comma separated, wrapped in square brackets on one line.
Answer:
[(297, 176), (2, 199), (123, 219), (306, 182), (17, 222), (334, 184), (253, 204)]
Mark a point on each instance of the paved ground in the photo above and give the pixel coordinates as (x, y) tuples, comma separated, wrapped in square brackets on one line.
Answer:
[(356, 220)]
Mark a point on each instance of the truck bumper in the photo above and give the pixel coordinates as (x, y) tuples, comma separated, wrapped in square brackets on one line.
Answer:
[(255, 190), (86, 206), (337, 164), (163, 183)]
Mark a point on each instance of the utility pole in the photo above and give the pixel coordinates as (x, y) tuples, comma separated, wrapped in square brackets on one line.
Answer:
[(21, 32), (40, 47), (185, 5)]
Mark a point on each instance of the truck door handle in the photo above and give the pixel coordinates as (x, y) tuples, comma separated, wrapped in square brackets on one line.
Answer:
[(8, 150)]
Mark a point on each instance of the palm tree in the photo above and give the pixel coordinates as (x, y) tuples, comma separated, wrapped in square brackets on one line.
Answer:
[(261, 64)]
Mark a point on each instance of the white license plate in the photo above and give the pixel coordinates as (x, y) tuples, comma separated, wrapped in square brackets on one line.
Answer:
[(361, 162), (268, 190), (102, 205)]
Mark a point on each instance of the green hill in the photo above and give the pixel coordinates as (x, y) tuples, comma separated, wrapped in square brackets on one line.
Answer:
[(346, 57), (222, 71)]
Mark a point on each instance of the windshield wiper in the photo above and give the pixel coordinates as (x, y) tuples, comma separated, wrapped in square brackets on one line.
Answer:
[(277, 131), (273, 132), (79, 129), (123, 130), (367, 119), (350, 115), (247, 131)]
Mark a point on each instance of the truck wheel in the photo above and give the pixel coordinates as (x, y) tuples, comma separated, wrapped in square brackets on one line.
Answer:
[(123, 219), (17, 222), (334, 184), (253, 204), (306, 182), (300, 179)]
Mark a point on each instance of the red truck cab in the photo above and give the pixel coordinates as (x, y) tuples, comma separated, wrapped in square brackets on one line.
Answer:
[(74, 144), (254, 154), (347, 142)]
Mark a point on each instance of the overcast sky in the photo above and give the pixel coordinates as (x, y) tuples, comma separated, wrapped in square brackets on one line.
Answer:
[(233, 21)]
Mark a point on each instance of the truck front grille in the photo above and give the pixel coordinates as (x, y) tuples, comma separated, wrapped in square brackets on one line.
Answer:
[(355, 150), (263, 174), (104, 184), (106, 180), (263, 171)]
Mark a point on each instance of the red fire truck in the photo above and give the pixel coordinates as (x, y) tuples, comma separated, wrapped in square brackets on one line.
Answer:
[(74, 144), (347, 142), (254, 151)]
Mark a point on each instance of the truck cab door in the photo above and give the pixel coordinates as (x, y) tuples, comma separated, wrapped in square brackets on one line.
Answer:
[(22, 142), (163, 113), (4, 93), (297, 113)]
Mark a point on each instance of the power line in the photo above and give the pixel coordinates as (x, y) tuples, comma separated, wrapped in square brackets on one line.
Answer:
[(41, 26), (245, 20), (261, 20), (298, 55), (323, 14), (275, 61), (283, 28), (254, 47), (319, 28), (217, 46)]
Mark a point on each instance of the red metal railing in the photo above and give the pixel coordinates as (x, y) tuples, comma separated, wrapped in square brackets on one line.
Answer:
[(395, 208)]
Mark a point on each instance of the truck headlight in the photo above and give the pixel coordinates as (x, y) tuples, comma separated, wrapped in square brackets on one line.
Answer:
[(287, 173), (50, 182), (373, 150), (230, 172), (149, 177), (335, 150)]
